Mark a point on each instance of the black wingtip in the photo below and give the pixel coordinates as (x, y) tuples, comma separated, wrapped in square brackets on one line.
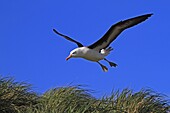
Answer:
[(55, 31), (150, 14), (143, 17)]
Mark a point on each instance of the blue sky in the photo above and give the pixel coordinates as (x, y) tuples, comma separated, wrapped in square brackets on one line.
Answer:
[(31, 52)]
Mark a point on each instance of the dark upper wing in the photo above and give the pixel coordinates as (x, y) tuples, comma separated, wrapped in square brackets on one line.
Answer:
[(115, 30), (68, 38)]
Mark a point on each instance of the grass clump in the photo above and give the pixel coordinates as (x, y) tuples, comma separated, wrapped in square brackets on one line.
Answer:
[(17, 97)]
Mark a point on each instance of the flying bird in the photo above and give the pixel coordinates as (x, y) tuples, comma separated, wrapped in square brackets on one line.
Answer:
[(100, 49)]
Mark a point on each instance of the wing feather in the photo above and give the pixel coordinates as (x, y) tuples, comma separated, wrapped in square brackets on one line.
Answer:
[(68, 38), (115, 30)]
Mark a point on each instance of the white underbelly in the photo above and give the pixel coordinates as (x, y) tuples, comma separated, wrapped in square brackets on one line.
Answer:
[(92, 55)]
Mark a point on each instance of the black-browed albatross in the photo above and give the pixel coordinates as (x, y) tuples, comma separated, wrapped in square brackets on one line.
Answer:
[(98, 50)]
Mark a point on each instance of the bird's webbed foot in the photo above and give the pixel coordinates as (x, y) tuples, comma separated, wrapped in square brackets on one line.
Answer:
[(105, 69), (112, 64)]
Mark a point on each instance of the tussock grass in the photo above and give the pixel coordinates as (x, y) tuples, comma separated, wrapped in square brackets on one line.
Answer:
[(17, 97)]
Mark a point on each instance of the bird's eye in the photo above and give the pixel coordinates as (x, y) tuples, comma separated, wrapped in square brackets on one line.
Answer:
[(74, 52)]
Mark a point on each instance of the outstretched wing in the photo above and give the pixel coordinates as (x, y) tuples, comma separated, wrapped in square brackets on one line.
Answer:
[(115, 30), (68, 38)]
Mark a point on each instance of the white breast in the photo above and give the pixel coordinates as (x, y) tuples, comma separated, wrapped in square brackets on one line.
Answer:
[(91, 54)]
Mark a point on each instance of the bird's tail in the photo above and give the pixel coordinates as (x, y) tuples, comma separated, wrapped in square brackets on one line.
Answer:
[(106, 51)]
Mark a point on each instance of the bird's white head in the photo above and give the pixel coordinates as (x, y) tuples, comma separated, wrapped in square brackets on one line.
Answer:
[(75, 53)]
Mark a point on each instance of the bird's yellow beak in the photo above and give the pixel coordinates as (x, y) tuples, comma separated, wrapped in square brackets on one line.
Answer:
[(68, 57)]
